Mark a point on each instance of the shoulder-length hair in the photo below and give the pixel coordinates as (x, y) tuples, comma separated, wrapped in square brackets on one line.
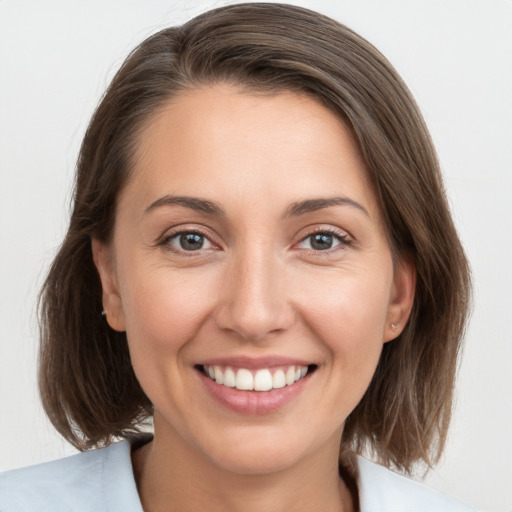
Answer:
[(87, 383)]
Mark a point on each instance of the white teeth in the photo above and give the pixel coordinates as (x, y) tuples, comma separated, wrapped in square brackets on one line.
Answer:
[(279, 380), (229, 378), (219, 376), (262, 380), (244, 380), (290, 376)]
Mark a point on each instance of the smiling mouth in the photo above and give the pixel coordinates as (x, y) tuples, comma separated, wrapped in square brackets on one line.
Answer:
[(263, 379)]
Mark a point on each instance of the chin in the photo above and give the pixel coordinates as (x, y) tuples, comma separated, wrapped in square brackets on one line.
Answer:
[(256, 461), (254, 451)]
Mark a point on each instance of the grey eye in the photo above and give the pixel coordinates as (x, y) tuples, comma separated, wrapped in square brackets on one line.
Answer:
[(320, 241), (190, 241)]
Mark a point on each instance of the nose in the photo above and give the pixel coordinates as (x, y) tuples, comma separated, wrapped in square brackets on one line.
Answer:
[(254, 301)]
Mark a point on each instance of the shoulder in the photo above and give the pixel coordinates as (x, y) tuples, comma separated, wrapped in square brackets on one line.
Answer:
[(381, 490), (99, 480)]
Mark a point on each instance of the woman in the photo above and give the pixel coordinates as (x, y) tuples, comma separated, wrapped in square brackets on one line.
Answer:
[(261, 260)]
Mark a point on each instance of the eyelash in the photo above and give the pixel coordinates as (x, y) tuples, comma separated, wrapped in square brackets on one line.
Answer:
[(166, 242), (342, 238)]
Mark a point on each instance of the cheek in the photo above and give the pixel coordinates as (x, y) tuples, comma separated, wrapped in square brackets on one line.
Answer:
[(349, 309), (348, 314), (164, 308)]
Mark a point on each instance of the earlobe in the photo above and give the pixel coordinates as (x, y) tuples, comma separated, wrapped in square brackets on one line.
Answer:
[(401, 299), (112, 305)]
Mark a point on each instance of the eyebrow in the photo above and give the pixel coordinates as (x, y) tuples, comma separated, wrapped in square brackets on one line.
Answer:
[(294, 210), (312, 205), (194, 203)]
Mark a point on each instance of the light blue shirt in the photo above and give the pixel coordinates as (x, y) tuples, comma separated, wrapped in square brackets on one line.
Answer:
[(102, 481)]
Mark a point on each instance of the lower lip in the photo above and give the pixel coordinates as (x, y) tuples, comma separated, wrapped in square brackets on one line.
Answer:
[(253, 402)]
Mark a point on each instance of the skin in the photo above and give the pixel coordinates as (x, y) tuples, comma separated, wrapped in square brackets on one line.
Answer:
[(257, 287)]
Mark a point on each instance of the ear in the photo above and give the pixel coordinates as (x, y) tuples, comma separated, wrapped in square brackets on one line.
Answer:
[(401, 299), (103, 257)]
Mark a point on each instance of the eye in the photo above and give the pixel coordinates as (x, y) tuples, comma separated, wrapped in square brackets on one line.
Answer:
[(323, 241), (189, 241)]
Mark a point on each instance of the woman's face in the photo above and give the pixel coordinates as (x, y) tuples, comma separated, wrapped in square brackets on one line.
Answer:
[(248, 245)]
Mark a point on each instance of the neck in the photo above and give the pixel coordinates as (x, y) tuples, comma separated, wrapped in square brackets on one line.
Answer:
[(172, 475)]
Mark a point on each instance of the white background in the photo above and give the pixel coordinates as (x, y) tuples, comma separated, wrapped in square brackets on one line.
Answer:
[(56, 57)]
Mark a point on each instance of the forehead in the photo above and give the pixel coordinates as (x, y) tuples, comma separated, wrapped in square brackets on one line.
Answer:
[(229, 145)]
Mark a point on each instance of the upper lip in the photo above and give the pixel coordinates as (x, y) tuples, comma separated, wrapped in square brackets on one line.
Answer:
[(252, 363)]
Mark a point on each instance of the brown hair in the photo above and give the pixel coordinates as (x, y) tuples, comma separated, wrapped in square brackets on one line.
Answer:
[(88, 386)]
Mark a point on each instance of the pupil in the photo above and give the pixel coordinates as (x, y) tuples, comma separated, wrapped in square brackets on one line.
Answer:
[(321, 241), (191, 241)]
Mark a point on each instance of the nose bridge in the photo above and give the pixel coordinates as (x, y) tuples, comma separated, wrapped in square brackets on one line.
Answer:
[(255, 302)]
